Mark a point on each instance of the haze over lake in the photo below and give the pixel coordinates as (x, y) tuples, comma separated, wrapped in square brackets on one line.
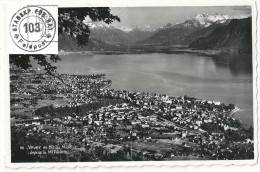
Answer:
[(209, 78)]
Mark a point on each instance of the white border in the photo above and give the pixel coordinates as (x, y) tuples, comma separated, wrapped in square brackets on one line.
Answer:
[(5, 82)]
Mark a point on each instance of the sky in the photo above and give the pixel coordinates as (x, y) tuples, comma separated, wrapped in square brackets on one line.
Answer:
[(156, 17)]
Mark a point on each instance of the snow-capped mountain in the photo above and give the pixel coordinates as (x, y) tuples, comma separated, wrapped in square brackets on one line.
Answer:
[(99, 25), (203, 20), (117, 35), (173, 34), (126, 29), (183, 33), (209, 19), (236, 35)]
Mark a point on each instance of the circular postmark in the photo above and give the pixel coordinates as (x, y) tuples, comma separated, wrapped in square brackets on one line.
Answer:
[(32, 28)]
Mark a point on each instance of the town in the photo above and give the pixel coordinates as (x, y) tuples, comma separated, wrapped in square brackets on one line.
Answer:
[(85, 120)]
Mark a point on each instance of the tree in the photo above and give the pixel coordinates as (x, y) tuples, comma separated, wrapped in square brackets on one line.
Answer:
[(23, 61), (70, 22)]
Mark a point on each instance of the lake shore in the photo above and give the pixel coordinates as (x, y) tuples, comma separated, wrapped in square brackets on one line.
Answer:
[(164, 50), (204, 77)]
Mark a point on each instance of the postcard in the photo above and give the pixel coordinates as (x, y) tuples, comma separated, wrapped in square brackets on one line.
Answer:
[(112, 83)]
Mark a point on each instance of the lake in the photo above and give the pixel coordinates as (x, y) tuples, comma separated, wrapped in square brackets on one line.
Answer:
[(224, 79)]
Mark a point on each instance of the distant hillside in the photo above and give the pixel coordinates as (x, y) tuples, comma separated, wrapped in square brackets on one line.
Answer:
[(188, 31), (105, 38), (109, 35), (172, 34), (237, 35), (68, 43), (202, 32), (118, 36), (115, 36)]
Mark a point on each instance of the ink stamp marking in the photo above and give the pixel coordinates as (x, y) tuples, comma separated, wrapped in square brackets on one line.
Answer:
[(32, 28)]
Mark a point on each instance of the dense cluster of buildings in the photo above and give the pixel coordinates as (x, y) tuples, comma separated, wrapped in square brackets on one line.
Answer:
[(141, 126)]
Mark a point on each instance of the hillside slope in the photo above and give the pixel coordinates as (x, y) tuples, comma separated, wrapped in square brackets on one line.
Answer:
[(204, 32), (115, 36), (172, 34), (237, 35), (68, 43)]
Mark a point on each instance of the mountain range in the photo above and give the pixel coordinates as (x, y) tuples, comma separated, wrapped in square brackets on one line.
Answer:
[(236, 35), (203, 31), (122, 36)]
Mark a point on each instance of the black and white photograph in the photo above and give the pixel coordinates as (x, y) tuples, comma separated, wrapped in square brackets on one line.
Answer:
[(166, 83)]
